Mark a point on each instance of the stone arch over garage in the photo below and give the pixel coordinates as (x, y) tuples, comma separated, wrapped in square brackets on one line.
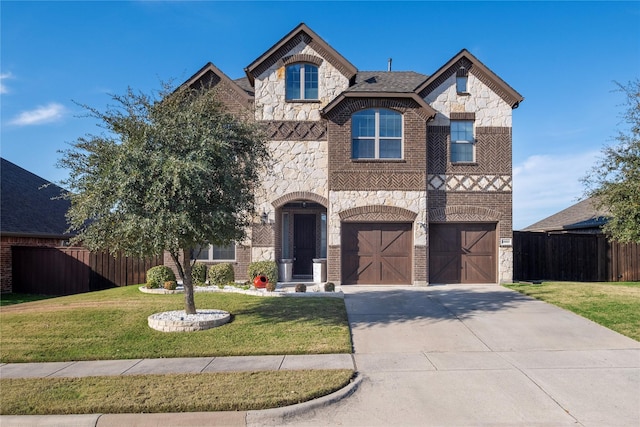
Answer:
[(377, 213), (464, 213)]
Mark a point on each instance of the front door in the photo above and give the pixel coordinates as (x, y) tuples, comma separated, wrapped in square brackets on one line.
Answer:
[(304, 244)]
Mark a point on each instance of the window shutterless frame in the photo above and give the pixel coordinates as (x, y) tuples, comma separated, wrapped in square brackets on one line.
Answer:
[(377, 134), (301, 82), (462, 142), (214, 253)]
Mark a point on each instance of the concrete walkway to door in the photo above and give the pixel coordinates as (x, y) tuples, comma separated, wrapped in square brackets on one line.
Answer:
[(480, 355)]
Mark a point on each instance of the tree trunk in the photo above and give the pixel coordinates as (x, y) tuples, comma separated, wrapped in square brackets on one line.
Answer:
[(187, 283)]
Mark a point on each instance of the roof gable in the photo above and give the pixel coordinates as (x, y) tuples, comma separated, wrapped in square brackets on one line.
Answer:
[(30, 206), (299, 34), (472, 64), (211, 75)]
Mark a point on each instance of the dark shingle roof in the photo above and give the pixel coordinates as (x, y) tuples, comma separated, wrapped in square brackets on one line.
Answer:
[(387, 81), (27, 207), (245, 84), (582, 215)]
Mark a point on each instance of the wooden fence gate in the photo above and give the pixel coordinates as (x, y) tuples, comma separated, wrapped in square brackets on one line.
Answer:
[(573, 257), (66, 271)]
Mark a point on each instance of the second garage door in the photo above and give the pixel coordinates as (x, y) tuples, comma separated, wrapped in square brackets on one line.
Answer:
[(462, 253), (376, 254)]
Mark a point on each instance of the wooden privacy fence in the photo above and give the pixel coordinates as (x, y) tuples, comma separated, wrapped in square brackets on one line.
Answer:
[(66, 271), (573, 257)]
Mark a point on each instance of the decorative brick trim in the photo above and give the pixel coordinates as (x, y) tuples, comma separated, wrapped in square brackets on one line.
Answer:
[(466, 182), (494, 86), (299, 195), (463, 116), (462, 62), (302, 57), (278, 54), (262, 235), (333, 60), (493, 130), (464, 213), (387, 180), (401, 105), (297, 131), (377, 213)]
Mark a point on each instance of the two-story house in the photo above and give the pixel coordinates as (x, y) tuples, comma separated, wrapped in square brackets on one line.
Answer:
[(393, 177)]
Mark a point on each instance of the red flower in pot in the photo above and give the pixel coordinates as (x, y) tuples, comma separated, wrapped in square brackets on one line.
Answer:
[(260, 282)]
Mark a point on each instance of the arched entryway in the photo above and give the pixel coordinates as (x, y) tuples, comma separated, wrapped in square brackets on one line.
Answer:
[(301, 231)]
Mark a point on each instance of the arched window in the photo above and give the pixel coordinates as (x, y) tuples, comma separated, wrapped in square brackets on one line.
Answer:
[(302, 81), (376, 134)]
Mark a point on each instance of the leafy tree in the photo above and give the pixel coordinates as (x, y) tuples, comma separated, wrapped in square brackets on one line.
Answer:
[(174, 171), (614, 181)]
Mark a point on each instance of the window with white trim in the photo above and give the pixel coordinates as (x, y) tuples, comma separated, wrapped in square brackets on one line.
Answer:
[(462, 143), (214, 253), (376, 134), (301, 82)]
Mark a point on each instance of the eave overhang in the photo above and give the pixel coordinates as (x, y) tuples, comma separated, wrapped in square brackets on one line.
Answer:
[(427, 112), (199, 78), (473, 65), (301, 33)]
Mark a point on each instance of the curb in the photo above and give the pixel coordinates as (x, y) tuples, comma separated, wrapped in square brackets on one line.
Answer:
[(272, 416), (275, 416)]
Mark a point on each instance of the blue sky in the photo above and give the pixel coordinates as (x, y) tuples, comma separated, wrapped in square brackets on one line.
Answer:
[(561, 56)]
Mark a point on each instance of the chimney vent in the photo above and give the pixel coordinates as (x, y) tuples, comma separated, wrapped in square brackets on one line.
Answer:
[(389, 64)]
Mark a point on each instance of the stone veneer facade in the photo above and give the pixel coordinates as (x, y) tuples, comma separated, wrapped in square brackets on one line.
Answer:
[(311, 146)]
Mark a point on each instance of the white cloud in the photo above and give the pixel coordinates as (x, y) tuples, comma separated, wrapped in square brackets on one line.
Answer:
[(3, 87), (42, 114), (545, 184)]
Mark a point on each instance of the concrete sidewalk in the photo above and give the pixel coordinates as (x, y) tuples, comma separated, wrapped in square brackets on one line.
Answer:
[(436, 356)]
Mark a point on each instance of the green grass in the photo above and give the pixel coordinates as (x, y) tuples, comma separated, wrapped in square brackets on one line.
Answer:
[(10, 299), (112, 324), (167, 393), (615, 305)]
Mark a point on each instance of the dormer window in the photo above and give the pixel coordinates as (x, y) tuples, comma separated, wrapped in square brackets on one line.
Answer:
[(462, 80), (302, 82)]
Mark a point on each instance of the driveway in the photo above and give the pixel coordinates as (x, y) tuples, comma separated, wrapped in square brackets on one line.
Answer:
[(460, 355)]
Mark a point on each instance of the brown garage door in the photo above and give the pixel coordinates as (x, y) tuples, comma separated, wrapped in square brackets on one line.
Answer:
[(375, 254), (462, 253)]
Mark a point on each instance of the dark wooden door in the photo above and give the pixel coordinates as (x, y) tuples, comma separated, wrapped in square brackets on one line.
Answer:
[(304, 244), (462, 253), (376, 254)]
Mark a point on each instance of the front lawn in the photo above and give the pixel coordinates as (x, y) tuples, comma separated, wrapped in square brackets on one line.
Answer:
[(112, 324), (615, 305), (226, 391)]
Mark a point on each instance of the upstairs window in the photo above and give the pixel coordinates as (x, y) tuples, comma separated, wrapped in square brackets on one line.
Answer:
[(462, 80), (376, 134), (302, 82), (462, 142)]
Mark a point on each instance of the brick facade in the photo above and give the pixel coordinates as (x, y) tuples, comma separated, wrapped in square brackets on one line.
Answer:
[(312, 144), (6, 260)]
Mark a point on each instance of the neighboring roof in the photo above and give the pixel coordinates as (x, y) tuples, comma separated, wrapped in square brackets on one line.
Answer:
[(472, 64), (387, 81), (27, 208), (299, 34), (210, 74), (245, 84), (579, 216)]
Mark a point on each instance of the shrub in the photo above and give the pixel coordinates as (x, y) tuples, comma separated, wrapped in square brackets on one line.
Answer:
[(221, 274), (301, 287), (156, 276), (199, 274), (170, 285), (271, 286), (329, 287), (263, 268)]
